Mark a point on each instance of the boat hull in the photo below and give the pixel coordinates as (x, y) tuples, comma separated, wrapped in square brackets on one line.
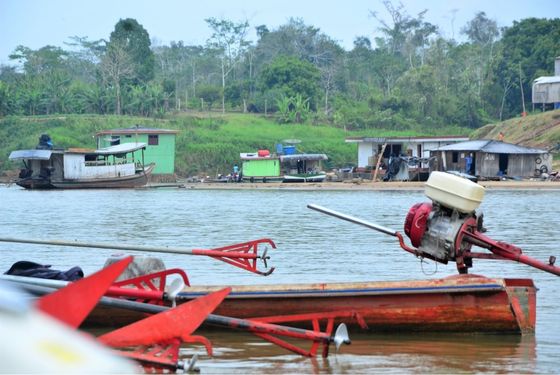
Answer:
[(305, 178), (464, 303), (137, 180), (36, 183)]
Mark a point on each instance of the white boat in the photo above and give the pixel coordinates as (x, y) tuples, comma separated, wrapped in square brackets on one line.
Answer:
[(302, 167), (78, 168)]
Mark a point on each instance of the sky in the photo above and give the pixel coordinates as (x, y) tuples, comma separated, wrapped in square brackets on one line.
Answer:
[(37, 23)]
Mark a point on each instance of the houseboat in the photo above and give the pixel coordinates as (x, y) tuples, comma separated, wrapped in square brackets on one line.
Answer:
[(79, 168)]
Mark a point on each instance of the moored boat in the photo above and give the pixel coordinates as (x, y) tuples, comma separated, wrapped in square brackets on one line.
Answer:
[(462, 303), (77, 168)]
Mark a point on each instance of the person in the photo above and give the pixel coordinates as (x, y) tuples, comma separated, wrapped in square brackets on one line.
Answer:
[(235, 175), (501, 137), (468, 163)]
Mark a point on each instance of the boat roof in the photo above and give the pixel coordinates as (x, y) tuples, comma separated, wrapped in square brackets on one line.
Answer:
[(123, 148), (303, 157), (33, 154), (491, 147)]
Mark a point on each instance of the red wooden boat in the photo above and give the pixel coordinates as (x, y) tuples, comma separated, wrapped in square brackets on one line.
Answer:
[(462, 303)]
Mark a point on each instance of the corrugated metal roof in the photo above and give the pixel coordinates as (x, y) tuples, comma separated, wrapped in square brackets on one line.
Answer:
[(123, 148), (445, 138), (553, 79), (491, 147), (31, 154), (303, 157)]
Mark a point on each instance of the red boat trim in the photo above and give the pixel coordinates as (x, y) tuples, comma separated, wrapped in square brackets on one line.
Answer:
[(354, 292)]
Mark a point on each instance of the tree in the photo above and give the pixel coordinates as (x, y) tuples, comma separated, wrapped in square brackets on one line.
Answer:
[(406, 36), (228, 38), (291, 76), (531, 46), (132, 39), (481, 30), (482, 33), (116, 66)]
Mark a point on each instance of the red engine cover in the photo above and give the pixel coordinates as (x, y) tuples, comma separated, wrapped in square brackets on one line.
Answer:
[(415, 223)]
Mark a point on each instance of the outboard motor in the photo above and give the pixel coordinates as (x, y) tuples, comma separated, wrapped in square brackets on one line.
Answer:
[(436, 227), (446, 228)]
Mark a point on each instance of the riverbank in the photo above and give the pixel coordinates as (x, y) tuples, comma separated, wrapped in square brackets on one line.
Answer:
[(364, 185), (345, 185)]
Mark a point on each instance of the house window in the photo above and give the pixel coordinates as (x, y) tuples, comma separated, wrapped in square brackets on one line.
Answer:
[(153, 139), (454, 157)]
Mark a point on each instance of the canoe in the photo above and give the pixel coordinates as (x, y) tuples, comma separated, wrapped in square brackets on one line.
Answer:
[(462, 303)]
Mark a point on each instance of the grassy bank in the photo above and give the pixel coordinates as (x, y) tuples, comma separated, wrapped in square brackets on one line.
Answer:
[(206, 144)]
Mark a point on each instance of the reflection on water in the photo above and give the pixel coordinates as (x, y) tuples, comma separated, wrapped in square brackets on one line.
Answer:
[(242, 353), (311, 248)]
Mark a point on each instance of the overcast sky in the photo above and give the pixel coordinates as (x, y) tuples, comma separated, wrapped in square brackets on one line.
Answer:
[(37, 23)]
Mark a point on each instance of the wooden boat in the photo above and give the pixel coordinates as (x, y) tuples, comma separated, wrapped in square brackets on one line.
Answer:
[(76, 168), (305, 177), (303, 167), (462, 303)]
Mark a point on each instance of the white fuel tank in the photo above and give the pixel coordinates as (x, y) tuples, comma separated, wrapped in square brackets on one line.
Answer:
[(454, 192)]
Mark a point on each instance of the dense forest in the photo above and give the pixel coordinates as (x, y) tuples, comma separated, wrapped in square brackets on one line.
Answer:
[(408, 78)]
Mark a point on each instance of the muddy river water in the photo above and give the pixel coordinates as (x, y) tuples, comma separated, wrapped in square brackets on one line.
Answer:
[(312, 247)]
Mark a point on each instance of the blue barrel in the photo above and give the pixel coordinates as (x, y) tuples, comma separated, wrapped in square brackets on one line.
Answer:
[(289, 150)]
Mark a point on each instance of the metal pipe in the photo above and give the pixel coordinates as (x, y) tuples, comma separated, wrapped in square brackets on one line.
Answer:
[(218, 320), (176, 250), (352, 219)]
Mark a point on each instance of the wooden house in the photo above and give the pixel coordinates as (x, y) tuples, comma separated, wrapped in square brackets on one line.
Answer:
[(419, 147), (492, 158)]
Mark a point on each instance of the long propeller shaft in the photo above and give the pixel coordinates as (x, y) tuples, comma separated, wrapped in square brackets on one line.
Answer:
[(242, 255)]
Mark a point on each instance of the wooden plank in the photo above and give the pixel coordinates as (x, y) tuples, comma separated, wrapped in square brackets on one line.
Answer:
[(379, 157)]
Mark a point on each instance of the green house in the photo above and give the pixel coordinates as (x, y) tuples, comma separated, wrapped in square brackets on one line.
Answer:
[(160, 149)]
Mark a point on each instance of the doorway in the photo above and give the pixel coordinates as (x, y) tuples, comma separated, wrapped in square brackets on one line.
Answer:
[(503, 164)]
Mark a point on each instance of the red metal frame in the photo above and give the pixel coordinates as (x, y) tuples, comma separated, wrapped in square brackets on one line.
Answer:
[(317, 336), (467, 236), (243, 255), (146, 288)]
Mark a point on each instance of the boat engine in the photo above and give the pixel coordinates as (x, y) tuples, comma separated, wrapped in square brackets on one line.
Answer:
[(446, 229)]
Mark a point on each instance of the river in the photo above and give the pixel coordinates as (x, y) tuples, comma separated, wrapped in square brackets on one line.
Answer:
[(312, 247)]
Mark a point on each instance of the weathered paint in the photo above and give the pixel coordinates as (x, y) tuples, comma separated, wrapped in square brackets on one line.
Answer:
[(463, 303), (420, 147), (76, 168), (162, 154)]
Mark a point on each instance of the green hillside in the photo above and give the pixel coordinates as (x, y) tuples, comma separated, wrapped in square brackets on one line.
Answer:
[(540, 130), (206, 144)]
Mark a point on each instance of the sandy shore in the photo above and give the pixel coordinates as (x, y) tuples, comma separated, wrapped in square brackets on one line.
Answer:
[(366, 185), (346, 185)]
